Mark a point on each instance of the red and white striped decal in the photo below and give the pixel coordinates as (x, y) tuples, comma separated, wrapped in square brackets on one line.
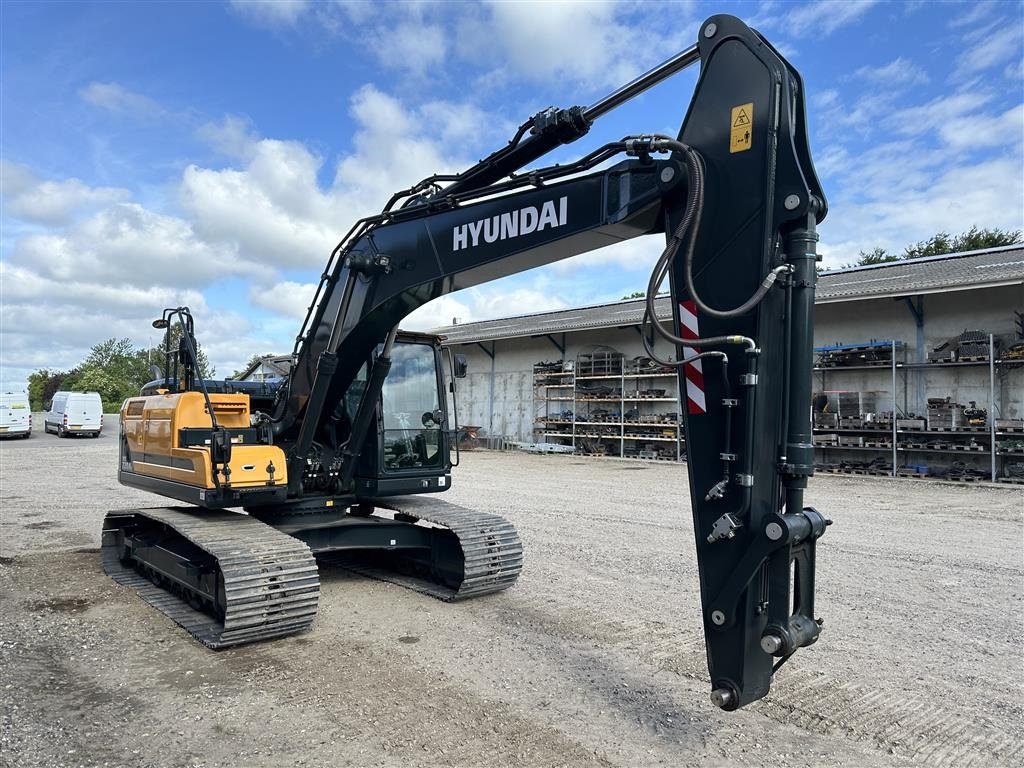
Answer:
[(694, 372)]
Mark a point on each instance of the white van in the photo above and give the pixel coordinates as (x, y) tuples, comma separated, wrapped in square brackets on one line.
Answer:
[(15, 415), (75, 413)]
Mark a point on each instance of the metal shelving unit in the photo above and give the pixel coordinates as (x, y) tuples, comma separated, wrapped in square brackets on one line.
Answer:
[(900, 442), (627, 435)]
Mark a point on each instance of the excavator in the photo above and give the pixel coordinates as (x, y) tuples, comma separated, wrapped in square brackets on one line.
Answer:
[(346, 456)]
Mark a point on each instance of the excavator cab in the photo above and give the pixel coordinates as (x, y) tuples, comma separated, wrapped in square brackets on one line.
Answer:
[(410, 450)]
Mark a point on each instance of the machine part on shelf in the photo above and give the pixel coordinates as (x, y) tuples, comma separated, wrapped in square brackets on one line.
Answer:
[(1014, 469), (974, 416), (601, 361), (548, 367), (969, 346), (544, 447), (872, 353)]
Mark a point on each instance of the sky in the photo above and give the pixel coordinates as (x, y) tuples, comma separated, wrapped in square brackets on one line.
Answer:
[(211, 154)]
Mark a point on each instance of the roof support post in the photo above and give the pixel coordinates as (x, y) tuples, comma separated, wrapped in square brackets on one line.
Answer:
[(488, 352), (916, 306), (553, 340)]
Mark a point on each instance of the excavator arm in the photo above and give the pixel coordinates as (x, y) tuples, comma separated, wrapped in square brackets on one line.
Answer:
[(737, 197)]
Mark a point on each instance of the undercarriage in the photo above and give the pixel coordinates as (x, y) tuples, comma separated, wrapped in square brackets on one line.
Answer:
[(231, 578)]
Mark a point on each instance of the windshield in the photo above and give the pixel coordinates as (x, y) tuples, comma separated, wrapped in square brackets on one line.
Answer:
[(410, 409)]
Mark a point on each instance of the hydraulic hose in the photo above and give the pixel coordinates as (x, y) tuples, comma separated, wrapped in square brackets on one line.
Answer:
[(689, 225)]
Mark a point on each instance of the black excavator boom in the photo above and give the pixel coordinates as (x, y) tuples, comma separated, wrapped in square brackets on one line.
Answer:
[(737, 199)]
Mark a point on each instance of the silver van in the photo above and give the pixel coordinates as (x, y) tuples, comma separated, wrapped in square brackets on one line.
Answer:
[(75, 413)]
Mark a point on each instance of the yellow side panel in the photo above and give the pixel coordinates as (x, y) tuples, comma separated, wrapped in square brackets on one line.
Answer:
[(151, 427), (248, 466)]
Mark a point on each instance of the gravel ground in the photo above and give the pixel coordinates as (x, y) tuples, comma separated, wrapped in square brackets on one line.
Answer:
[(594, 658)]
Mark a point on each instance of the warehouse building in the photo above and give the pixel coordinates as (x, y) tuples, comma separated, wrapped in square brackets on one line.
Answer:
[(919, 304)]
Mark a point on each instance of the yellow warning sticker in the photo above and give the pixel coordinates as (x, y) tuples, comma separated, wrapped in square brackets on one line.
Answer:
[(741, 129)]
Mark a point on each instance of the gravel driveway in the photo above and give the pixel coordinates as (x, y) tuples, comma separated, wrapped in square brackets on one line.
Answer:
[(594, 658)]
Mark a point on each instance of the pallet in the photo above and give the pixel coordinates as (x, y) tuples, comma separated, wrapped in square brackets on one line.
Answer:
[(973, 359), (965, 479), (1011, 480), (908, 473)]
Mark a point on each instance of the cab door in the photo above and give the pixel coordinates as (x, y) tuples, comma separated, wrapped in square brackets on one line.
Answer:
[(411, 418)]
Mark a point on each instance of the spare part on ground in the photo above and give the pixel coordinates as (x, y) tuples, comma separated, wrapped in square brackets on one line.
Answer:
[(343, 457)]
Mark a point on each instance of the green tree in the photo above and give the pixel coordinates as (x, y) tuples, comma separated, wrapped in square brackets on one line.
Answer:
[(941, 243), (635, 295), (972, 240), (114, 369), (876, 256), (42, 385), (155, 354)]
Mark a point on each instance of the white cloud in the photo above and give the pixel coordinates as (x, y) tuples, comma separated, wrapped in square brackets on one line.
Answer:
[(442, 311), (976, 12), (273, 208), (52, 322), (972, 132), (825, 99), (995, 45), (233, 136), (636, 255), (591, 43), (411, 46), (128, 244), (951, 199), (31, 199), (271, 13), (897, 72), (825, 17), (482, 303), (393, 150), (272, 211), (288, 298), (24, 285), (938, 113), (116, 98), (357, 11)]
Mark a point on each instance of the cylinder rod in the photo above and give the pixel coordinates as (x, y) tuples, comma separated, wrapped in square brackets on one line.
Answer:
[(648, 79)]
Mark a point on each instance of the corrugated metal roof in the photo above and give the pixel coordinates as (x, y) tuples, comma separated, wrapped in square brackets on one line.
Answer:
[(936, 274)]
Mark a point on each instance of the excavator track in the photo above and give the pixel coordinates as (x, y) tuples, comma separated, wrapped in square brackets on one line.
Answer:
[(491, 548), (269, 585)]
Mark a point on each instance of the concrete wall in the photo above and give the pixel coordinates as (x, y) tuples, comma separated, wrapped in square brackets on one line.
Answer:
[(945, 315)]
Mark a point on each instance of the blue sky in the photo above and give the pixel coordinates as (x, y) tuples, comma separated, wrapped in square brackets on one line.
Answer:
[(211, 153)]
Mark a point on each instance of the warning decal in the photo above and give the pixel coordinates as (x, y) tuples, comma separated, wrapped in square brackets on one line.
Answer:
[(742, 127)]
